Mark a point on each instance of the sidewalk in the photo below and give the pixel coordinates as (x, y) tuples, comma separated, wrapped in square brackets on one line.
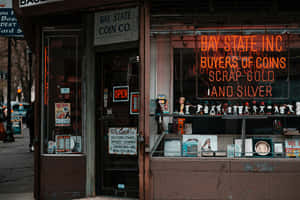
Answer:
[(16, 169), (104, 198), (17, 196)]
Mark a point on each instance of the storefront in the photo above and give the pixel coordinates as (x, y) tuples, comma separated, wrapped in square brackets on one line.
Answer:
[(228, 86), (89, 137), (166, 100)]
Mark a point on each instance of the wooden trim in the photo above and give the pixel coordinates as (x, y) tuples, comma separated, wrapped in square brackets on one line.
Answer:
[(90, 109), (142, 103), (147, 98), (144, 158), (37, 112)]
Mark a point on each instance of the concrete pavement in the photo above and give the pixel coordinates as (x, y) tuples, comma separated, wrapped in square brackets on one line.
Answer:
[(105, 198), (16, 169)]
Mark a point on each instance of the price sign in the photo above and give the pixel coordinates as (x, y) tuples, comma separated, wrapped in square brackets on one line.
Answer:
[(121, 93)]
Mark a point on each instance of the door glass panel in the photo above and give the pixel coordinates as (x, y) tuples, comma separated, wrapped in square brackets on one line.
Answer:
[(117, 142)]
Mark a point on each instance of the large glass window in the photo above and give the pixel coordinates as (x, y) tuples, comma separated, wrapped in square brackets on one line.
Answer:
[(234, 94), (61, 106)]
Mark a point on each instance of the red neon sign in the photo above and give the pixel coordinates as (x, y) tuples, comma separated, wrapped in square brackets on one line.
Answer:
[(120, 93), (240, 65)]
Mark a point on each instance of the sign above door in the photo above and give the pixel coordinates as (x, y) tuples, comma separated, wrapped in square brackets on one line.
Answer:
[(116, 26), (28, 3)]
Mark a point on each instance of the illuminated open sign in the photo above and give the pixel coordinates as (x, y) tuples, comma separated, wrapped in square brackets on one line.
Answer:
[(121, 93)]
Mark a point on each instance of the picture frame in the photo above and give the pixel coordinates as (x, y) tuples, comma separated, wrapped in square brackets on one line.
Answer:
[(248, 147), (263, 147), (199, 145), (292, 147), (172, 147), (135, 103), (278, 148), (238, 147)]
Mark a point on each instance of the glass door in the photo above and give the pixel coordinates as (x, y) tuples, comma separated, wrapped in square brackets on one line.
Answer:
[(117, 108)]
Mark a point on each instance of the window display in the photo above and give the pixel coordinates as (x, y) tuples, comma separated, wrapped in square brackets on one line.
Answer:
[(238, 87), (61, 130)]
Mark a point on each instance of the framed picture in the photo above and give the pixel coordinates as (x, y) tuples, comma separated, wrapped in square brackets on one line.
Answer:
[(238, 147), (62, 114), (194, 145), (292, 148), (248, 147), (262, 147), (230, 150), (134, 103), (63, 144), (172, 148), (278, 149)]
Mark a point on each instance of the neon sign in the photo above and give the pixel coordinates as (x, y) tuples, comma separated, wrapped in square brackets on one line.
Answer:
[(240, 66), (121, 93)]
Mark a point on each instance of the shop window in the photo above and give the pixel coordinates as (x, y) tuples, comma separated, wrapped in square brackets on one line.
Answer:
[(61, 107), (235, 94)]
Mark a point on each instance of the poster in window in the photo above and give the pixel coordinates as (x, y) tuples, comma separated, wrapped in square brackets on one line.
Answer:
[(63, 144), (62, 114), (292, 148), (194, 145), (122, 141)]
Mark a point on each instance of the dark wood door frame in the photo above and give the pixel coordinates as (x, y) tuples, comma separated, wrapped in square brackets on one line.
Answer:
[(100, 126)]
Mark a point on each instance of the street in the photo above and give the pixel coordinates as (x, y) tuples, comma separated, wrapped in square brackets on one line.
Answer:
[(16, 169)]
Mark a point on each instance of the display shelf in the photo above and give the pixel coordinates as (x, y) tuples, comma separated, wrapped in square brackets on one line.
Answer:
[(227, 116)]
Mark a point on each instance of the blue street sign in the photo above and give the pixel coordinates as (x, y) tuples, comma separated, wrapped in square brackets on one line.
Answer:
[(8, 22)]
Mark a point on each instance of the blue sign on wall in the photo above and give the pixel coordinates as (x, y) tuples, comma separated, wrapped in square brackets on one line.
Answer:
[(8, 23)]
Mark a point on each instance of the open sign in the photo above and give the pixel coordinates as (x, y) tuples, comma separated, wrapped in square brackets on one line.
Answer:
[(121, 93)]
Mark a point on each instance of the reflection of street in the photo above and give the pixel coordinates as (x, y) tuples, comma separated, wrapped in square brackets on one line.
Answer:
[(16, 169)]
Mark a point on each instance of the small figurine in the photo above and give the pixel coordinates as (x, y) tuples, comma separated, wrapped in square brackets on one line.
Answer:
[(181, 105), (159, 117), (276, 109), (269, 108), (262, 108), (180, 127), (213, 110), (254, 108), (246, 111), (241, 108), (282, 109), (235, 109), (206, 108), (229, 108), (219, 109), (187, 111), (290, 109), (297, 108), (199, 109)]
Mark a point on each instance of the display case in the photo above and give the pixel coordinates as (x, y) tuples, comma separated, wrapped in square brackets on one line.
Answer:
[(232, 93)]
